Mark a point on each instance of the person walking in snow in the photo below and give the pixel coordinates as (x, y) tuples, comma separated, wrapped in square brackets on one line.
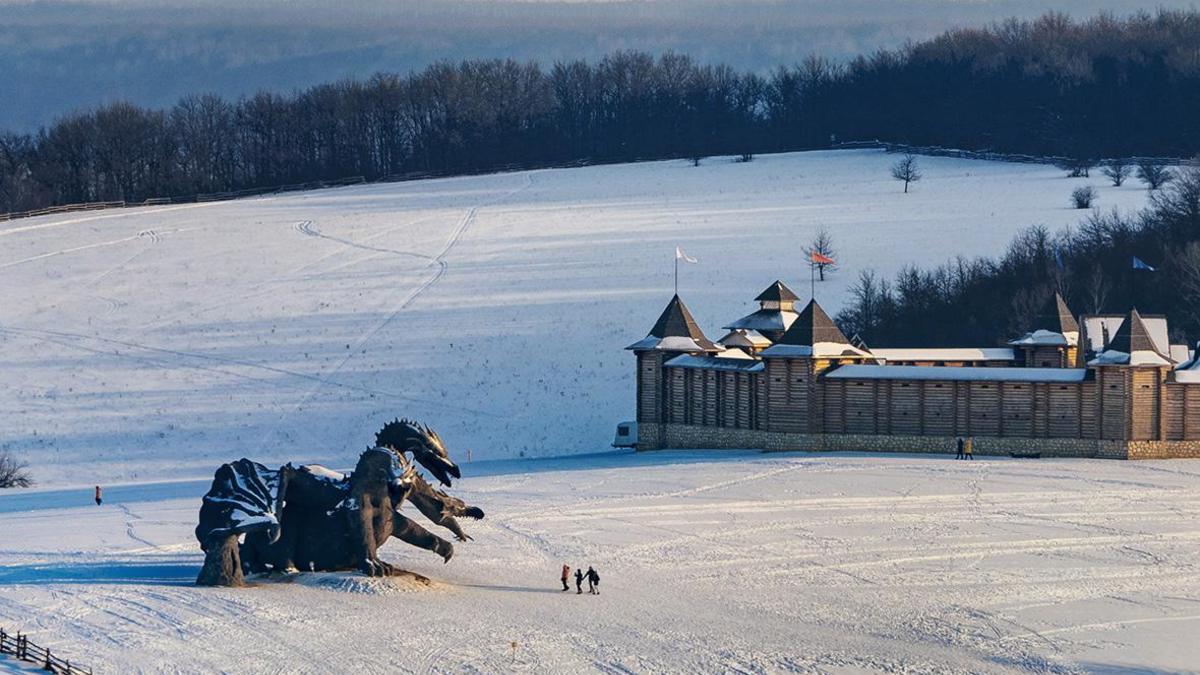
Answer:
[(969, 448), (960, 448), (593, 581), (98, 497), (578, 581), (566, 574)]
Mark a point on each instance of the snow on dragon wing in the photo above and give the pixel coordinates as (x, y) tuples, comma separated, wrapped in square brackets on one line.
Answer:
[(245, 497)]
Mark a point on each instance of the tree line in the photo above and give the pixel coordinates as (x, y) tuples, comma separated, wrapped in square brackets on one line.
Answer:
[(1101, 87), (988, 300)]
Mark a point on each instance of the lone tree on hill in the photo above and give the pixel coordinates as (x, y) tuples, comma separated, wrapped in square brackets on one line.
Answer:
[(13, 472), (1117, 171), (1154, 174), (906, 169), (821, 248)]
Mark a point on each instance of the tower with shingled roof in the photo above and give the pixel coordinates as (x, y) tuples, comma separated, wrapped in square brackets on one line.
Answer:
[(1131, 373), (776, 313), (1053, 339), (809, 347), (674, 333)]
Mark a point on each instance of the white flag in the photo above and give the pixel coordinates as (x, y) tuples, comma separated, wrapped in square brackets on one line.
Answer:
[(680, 255)]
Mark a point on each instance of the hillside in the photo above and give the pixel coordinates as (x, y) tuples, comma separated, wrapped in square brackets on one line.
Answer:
[(156, 343)]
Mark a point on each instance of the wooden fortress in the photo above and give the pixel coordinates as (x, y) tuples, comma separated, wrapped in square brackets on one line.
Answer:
[(1097, 386)]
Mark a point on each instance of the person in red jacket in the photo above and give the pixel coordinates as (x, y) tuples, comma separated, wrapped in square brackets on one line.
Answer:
[(566, 575)]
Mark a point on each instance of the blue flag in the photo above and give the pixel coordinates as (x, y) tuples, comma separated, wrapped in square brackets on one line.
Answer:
[(1139, 264)]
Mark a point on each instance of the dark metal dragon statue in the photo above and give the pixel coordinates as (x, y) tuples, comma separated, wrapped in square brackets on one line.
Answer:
[(256, 519)]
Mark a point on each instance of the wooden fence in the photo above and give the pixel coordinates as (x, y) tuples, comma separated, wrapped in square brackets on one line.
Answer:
[(20, 647)]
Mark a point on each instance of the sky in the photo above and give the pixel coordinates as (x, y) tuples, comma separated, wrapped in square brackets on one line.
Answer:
[(58, 56)]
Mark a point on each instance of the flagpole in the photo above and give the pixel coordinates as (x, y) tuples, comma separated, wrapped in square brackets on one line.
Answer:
[(677, 274), (812, 280)]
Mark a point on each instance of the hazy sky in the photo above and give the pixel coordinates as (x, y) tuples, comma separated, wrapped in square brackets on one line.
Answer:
[(55, 56)]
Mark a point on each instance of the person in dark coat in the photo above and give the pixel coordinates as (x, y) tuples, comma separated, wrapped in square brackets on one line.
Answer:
[(593, 581), (578, 581), (960, 448), (99, 498)]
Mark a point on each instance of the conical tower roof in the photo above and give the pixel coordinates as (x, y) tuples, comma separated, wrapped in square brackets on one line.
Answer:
[(1131, 345), (1056, 316), (814, 334), (813, 325), (1132, 336), (676, 330), (777, 292)]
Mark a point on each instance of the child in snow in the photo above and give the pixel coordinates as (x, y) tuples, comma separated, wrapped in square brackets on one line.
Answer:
[(960, 448), (566, 574), (593, 581), (98, 498), (578, 581), (969, 447)]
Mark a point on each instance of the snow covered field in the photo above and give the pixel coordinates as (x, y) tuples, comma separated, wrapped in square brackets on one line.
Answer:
[(157, 343), (710, 562), (141, 348)]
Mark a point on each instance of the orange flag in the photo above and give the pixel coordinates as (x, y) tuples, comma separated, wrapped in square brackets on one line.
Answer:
[(819, 259)]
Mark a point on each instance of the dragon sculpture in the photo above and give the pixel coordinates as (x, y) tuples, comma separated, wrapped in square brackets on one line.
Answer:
[(255, 519)]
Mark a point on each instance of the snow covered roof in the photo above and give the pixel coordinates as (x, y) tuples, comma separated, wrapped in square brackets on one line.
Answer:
[(957, 374), (1047, 338), (1189, 370), (1054, 326), (675, 331), (820, 350), (766, 319), (944, 354), (1141, 357), (1180, 353), (742, 364), (741, 337), (1134, 345), (1102, 328)]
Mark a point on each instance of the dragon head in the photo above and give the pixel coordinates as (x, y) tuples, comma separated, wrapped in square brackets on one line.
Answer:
[(426, 446)]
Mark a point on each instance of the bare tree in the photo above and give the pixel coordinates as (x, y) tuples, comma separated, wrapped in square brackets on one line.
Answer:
[(1083, 197), (906, 169), (1117, 171), (1098, 289), (821, 247), (13, 472), (1154, 174), (1080, 167)]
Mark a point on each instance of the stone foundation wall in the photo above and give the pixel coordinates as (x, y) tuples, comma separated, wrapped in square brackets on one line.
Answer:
[(683, 436), (1164, 450)]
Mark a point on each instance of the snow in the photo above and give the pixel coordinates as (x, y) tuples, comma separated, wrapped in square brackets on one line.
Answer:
[(1042, 337), (958, 373), (745, 363), (943, 354), (323, 472), (711, 562), (1141, 357), (142, 348), (818, 350), (1102, 327), (766, 319), (157, 343)]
